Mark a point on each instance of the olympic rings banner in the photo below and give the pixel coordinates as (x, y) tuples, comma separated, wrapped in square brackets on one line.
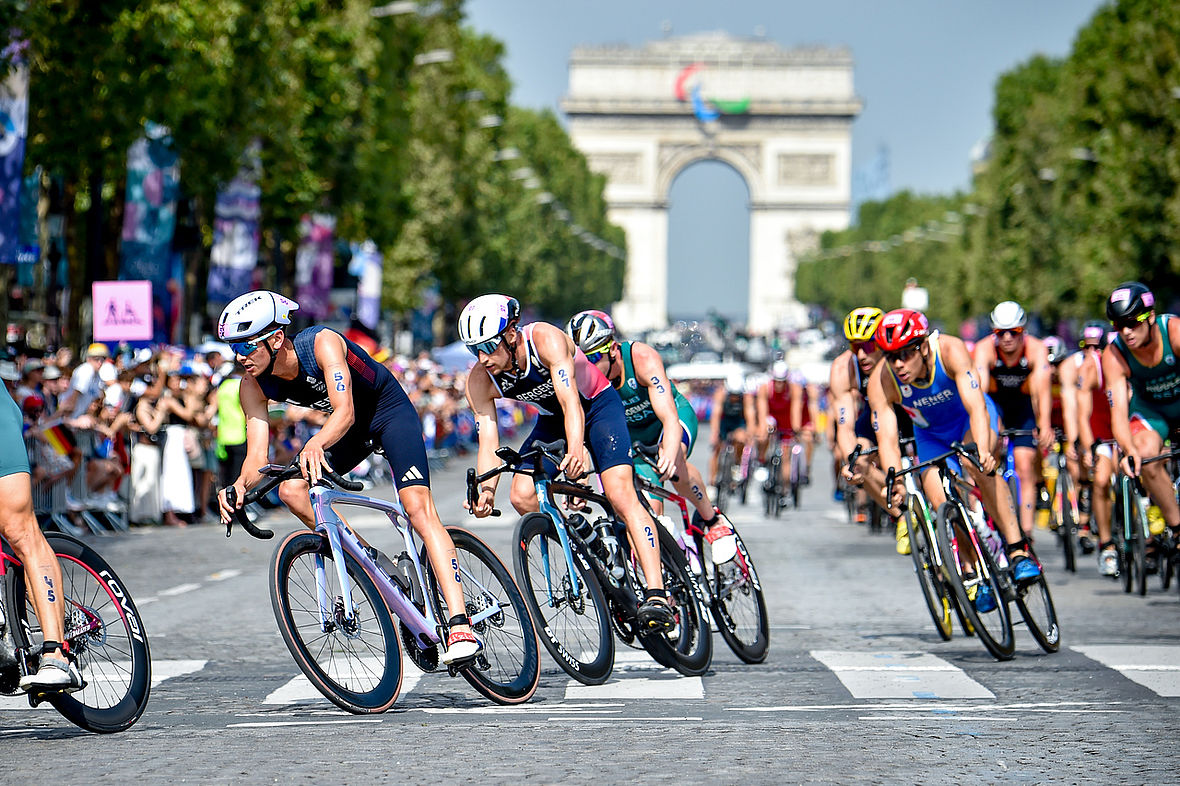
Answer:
[(14, 115)]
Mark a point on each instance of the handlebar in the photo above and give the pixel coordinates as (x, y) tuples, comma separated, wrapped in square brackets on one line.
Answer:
[(276, 474), (650, 454), (513, 461), (969, 452)]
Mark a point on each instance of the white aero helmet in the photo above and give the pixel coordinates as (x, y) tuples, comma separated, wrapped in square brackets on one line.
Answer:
[(1008, 315), (250, 314), (591, 330), (485, 318), (779, 371)]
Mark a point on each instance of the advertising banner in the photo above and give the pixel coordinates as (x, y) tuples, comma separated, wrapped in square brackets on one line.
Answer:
[(313, 265), (235, 233), (14, 115), (366, 266), (122, 310), (149, 218)]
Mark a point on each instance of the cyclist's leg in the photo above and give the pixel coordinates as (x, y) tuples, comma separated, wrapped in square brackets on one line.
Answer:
[(1100, 503), (19, 527), (807, 434), (523, 492), (689, 483), (1025, 458), (1148, 436)]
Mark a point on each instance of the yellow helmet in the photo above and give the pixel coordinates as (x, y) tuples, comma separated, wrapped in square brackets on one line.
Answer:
[(861, 323)]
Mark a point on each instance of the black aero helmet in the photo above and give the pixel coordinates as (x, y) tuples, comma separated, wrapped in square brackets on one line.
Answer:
[(1094, 331), (1129, 299)]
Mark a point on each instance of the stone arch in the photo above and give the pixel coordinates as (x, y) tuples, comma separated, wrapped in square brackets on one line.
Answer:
[(780, 118)]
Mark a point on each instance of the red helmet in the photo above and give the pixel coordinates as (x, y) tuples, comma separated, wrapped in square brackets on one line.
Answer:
[(901, 328)]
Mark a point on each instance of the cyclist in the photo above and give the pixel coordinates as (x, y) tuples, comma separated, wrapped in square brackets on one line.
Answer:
[(321, 369), (788, 403), (848, 380), (19, 527), (731, 421), (1063, 416), (1095, 435), (932, 377), (540, 364), (1014, 369), (1144, 356), (656, 411)]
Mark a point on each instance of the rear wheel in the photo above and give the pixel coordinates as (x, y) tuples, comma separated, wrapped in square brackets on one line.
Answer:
[(103, 632), (1036, 606), (774, 495), (738, 607), (573, 625), (353, 657), (972, 574), (507, 669), (724, 476), (1067, 520), (937, 595), (691, 640)]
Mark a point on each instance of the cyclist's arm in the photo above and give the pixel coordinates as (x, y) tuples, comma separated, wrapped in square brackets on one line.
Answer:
[(253, 402), (1067, 378), (796, 394), (813, 397), (984, 357), (750, 411), (1117, 374), (715, 415), (960, 368), (650, 372), (881, 395), (1086, 382), (330, 353), (762, 406), (555, 350), (843, 406), (1039, 389), (481, 397)]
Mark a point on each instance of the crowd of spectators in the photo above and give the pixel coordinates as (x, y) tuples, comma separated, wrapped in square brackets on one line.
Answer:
[(149, 435)]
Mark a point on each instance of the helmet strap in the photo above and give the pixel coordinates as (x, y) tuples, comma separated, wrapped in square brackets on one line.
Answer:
[(273, 357), (516, 369)]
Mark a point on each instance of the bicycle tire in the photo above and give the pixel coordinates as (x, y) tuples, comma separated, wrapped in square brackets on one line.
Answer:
[(934, 590), (1067, 525), (688, 647), (104, 632), (739, 608), (1139, 534), (575, 631), (775, 495), (994, 628), (796, 475), (356, 665), (1035, 603), (508, 668), (724, 476), (1121, 533), (851, 499)]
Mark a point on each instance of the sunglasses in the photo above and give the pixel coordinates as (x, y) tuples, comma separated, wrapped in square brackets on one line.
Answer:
[(868, 347), (486, 347), (246, 348), (1132, 323), (600, 353), (903, 354), (1008, 331)]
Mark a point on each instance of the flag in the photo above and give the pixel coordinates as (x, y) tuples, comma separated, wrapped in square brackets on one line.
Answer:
[(313, 265), (235, 232), (149, 218), (14, 115), (366, 266), (60, 438)]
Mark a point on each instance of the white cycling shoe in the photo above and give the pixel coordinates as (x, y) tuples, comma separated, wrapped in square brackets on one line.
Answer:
[(53, 675)]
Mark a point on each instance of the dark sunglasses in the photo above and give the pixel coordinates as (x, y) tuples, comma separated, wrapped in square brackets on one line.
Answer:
[(486, 347), (1132, 323), (602, 352), (869, 347), (903, 354), (246, 348), (1008, 331)]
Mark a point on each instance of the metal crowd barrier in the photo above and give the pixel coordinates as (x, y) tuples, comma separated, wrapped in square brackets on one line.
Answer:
[(66, 505)]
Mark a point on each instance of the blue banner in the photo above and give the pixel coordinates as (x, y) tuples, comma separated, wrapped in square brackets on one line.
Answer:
[(236, 233), (149, 219), (14, 115), (313, 266)]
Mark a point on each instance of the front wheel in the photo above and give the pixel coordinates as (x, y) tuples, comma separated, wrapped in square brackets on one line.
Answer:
[(934, 590), (972, 576), (103, 632), (1036, 606), (690, 643), (508, 668), (573, 624), (738, 606), (1067, 521), (343, 638)]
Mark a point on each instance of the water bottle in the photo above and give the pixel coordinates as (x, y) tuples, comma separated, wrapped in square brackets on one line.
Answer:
[(990, 537), (690, 551), (581, 526), (610, 546), (406, 565), (668, 524)]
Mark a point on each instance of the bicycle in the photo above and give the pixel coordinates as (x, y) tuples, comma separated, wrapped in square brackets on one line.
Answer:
[(976, 558), (335, 606), (1064, 506), (772, 487), (733, 474), (580, 579), (1131, 532), (104, 638), (731, 590), (1009, 472)]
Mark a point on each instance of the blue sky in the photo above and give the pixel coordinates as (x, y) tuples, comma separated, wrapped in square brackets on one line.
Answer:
[(925, 70)]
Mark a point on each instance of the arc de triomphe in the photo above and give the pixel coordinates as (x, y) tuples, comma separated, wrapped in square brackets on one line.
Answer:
[(781, 118)]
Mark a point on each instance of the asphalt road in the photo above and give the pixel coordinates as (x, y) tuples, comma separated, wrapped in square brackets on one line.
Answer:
[(857, 686)]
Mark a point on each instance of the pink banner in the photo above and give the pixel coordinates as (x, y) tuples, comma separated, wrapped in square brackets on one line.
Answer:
[(122, 310)]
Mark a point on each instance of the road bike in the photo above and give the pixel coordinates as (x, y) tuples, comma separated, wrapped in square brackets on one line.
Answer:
[(975, 561), (1063, 506), (733, 474), (1131, 531), (581, 578), (104, 638), (335, 605), (731, 590)]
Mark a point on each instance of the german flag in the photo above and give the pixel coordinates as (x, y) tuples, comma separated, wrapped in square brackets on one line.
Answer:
[(60, 438)]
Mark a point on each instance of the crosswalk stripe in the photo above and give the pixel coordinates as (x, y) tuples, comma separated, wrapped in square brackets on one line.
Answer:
[(900, 675), (161, 670), (1155, 667), (637, 676), (299, 689)]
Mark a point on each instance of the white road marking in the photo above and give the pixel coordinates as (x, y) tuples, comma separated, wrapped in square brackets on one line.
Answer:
[(900, 675), (299, 689), (275, 724), (161, 670), (179, 589), (637, 676), (1155, 667), (941, 708), (222, 575)]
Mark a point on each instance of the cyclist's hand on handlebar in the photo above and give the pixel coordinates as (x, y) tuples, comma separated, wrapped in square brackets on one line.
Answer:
[(224, 509), (484, 503), (897, 495), (1132, 463), (574, 464), (1071, 451), (665, 464), (987, 462), (313, 461), (850, 473), (1045, 437)]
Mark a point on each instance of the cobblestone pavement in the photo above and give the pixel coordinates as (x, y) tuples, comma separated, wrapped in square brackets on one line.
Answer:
[(857, 687)]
